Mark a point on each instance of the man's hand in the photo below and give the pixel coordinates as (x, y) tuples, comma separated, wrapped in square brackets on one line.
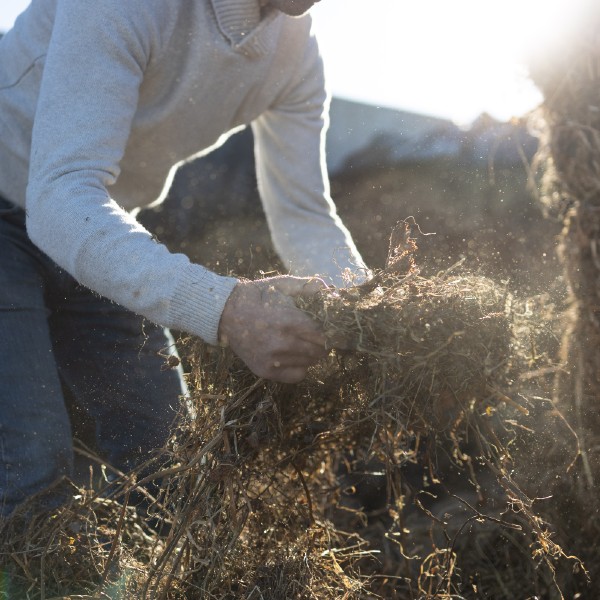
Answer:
[(263, 326)]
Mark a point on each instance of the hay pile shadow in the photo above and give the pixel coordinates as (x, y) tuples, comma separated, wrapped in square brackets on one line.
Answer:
[(389, 472)]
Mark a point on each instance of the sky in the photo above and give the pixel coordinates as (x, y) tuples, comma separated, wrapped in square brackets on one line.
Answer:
[(451, 59)]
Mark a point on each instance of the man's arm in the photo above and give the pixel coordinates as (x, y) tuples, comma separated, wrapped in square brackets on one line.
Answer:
[(292, 175), (93, 70), (274, 338)]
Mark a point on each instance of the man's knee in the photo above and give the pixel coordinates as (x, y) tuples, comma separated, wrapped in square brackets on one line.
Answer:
[(30, 462)]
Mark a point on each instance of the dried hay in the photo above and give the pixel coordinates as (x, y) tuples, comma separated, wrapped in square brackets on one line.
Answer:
[(260, 496), (90, 546), (569, 159)]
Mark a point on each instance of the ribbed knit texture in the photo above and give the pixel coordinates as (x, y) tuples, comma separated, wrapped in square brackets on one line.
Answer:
[(98, 102), (240, 23), (198, 296)]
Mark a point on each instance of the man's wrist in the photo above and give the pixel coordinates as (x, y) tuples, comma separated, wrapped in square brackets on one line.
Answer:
[(198, 302)]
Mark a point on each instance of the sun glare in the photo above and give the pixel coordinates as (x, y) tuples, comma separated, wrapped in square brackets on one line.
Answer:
[(449, 59), (452, 59)]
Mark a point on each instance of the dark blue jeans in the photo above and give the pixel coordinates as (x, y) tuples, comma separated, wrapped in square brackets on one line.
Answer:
[(65, 351)]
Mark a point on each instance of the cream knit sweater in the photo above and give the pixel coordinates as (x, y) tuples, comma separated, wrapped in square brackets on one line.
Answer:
[(99, 100)]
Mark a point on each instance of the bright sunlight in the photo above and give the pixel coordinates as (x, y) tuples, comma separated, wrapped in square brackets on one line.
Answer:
[(451, 59), (448, 59)]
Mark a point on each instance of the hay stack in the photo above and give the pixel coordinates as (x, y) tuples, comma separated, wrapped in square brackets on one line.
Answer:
[(571, 157), (257, 489), (256, 500)]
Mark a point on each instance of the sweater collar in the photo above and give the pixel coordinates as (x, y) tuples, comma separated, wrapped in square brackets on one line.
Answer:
[(240, 22)]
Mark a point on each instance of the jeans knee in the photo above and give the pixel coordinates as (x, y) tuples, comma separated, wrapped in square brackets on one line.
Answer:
[(31, 465)]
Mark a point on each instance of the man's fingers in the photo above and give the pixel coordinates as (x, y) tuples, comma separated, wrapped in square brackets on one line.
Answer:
[(265, 328), (312, 287), (312, 332), (302, 354), (294, 322), (298, 286)]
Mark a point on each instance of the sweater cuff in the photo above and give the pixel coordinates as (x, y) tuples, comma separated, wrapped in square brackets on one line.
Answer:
[(198, 302)]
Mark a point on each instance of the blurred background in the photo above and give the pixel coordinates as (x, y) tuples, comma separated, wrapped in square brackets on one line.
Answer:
[(454, 60)]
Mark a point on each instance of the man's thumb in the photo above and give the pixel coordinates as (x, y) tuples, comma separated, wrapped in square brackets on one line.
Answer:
[(305, 287)]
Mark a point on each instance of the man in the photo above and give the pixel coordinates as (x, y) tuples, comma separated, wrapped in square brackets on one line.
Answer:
[(98, 102)]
